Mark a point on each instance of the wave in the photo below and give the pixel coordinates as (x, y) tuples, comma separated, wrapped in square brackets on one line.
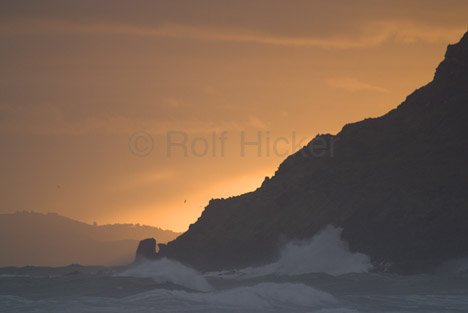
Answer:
[(453, 266), (261, 296), (326, 253), (13, 276), (168, 271)]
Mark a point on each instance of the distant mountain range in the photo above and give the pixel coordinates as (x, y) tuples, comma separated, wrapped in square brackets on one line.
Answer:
[(28, 238), (397, 186)]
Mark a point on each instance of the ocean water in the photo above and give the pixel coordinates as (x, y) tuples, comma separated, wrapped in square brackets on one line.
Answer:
[(319, 275)]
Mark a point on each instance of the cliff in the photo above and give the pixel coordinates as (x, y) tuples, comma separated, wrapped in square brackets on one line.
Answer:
[(395, 184)]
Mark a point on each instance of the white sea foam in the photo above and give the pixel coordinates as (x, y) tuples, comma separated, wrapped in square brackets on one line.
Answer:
[(326, 252), (168, 271), (362, 293)]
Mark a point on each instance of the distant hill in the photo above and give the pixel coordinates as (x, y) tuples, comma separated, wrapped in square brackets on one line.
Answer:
[(396, 185), (29, 238)]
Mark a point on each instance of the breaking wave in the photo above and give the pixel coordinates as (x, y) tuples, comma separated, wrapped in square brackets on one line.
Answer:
[(266, 295), (262, 297), (326, 253), (168, 271)]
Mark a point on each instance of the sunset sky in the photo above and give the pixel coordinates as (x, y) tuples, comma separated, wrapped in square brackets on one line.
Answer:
[(87, 87)]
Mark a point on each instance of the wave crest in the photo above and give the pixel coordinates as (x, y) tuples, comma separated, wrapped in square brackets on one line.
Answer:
[(326, 253), (168, 271)]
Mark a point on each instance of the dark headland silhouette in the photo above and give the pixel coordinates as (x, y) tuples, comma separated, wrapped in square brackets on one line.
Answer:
[(396, 185), (29, 238), (146, 250)]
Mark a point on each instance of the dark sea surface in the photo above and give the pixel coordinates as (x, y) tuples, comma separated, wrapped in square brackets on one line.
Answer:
[(320, 275)]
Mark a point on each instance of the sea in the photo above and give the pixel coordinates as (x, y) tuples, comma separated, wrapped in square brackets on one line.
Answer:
[(319, 275)]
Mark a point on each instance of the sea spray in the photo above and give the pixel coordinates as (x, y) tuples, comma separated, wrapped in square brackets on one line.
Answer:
[(326, 253), (168, 271)]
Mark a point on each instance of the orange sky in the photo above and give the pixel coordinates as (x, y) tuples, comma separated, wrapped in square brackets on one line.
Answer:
[(79, 79)]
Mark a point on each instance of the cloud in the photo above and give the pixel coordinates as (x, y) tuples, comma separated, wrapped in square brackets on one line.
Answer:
[(354, 85), (368, 34), (54, 119)]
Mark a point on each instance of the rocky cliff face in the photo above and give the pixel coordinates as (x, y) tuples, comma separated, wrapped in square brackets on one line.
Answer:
[(395, 184), (146, 250)]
